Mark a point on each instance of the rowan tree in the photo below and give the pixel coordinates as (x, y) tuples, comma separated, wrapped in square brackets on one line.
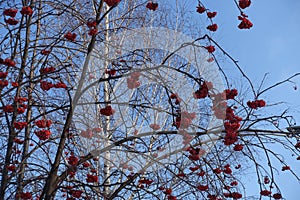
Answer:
[(123, 99)]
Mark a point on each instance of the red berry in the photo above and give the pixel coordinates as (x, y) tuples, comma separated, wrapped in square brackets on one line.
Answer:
[(212, 27), (211, 14), (244, 3), (152, 6), (200, 9)]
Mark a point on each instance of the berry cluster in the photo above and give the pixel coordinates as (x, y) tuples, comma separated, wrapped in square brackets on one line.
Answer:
[(107, 111)]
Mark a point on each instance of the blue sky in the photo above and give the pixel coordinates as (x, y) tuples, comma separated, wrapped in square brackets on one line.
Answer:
[(271, 46)]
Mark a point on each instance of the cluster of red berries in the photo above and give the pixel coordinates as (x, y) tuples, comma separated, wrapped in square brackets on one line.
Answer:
[(18, 141), (24, 196), (202, 92), (76, 193), (234, 183), (211, 15), (26, 10), (266, 180), (43, 134), (277, 196), (213, 27), (107, 111), (244, 3), (238, 147), (3, 74), (202, 187), (245, 23), (11, 168), (3, 82), (195, 153), (11, 21), (217, 170), (10, 108), (93, 28), (70, 36), (21, 106), (152, 6), (265, 193), (92, 178), (72, 160), (93, 32), (227, 169), (200, 9), (210, 48), (43, 123), (111, 3), (145, 181), (47, 70), (20, 125), (91, 24), (193, 169), (230, 94), (256, 104), (86, 164), (45, 52), (7, 62), (168, 192), (284, 168), (11, 13), (111, 72), (45, 85), (231, 124), (234, 195)]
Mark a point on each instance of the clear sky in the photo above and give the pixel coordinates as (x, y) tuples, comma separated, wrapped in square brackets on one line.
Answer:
[(271, 46)]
